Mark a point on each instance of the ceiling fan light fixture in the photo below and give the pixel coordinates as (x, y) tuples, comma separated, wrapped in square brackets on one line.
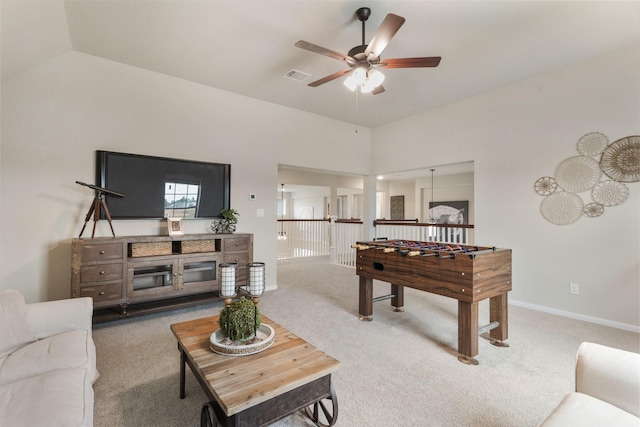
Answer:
[(366, 80), (373, 80)]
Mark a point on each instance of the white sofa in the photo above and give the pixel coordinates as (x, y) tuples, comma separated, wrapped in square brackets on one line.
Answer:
[(607, 390), (47, 362)]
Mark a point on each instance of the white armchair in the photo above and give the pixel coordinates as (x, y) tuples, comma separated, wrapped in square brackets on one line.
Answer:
[(607, 390), (47, 362)]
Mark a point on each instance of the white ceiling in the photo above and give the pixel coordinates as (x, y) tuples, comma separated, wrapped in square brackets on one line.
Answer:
[(246, 46)]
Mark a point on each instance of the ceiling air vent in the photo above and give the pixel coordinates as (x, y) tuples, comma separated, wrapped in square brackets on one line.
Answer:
[(296, 75)]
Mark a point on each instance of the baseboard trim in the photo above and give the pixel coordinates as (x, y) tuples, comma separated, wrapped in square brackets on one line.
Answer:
[(570, 315)]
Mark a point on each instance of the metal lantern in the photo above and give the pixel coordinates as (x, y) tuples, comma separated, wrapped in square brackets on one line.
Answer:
[(228, 279), (256, 278)]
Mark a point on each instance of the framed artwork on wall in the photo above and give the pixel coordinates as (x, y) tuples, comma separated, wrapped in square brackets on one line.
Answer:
[(449, 212), (397, 207)]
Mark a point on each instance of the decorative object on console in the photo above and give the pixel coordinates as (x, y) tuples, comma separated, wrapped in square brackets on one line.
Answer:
[(619, 161), (227, 224), (175, 226), (98, 204)]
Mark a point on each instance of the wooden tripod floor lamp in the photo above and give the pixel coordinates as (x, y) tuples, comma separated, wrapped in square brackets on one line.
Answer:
[(98, 204)]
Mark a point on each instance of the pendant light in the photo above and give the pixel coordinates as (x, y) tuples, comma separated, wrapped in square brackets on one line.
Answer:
[(431, 219), (281, 234)]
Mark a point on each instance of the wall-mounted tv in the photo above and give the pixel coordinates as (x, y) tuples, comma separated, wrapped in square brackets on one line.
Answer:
[(159, 187)]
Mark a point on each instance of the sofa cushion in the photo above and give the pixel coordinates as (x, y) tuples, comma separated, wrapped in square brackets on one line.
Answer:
[(73, 349), (14, 328), (62, 398), (577, 409)]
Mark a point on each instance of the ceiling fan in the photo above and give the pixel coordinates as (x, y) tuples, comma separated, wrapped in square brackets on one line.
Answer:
[(364, 60)]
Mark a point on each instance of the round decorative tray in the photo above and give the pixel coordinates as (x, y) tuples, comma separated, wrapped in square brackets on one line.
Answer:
[(265, 335)]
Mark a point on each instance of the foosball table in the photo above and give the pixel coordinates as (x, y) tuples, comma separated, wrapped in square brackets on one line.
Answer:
[(467, 273)]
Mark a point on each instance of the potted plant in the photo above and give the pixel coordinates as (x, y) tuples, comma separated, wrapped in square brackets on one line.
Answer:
[(228, 222), (240, 320)]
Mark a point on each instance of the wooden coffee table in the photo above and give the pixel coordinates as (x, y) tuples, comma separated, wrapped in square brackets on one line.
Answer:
[(258, 389)]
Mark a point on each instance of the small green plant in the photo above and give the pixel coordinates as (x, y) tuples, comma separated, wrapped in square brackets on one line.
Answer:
[(228, 222), (240, 320), (229, 215)]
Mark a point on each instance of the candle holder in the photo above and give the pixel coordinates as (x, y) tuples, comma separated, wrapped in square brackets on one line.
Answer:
[(256, 289), (244, 333), (228, 288)]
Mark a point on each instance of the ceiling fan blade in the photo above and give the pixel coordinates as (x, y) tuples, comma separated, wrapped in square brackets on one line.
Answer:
[(322, 50), (330, 77), (428, 61), (378, 90), (382, 37)]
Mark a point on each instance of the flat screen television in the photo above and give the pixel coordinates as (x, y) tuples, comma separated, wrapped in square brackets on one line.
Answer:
[(159, 187)]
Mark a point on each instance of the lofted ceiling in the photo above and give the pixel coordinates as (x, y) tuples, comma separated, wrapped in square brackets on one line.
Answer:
[(247, 47)]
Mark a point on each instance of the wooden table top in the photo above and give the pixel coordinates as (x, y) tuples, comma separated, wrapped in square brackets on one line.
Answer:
[(240, 382)]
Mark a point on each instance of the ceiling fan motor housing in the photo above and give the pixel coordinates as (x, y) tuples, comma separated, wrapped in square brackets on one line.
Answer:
[(363, 13), (358, 50)]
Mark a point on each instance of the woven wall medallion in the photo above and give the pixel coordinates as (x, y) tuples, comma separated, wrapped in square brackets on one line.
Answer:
[(610, 193), (578, 174), (592, 144), (545, 185), (620, 161), (593, 210), (562, 208)]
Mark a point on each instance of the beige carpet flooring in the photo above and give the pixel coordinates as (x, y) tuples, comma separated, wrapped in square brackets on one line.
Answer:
[(400, 369)]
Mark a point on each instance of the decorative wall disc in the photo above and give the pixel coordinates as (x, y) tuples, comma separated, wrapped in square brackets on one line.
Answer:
[(592, 144), (545, 185), (620, 161), (610, 193), (577, 174), (593, 209), (562, 208)]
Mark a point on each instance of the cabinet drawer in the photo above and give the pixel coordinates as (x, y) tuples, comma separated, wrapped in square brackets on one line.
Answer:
[(100, 273), (106, 252), (241, 259), (236, 244), (101, 293)]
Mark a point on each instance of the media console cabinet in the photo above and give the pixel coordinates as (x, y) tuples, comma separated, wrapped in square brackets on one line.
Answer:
[(141, 274)]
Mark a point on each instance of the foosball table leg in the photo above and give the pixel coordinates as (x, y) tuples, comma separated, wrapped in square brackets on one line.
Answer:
[(498, 312), (366, 299), (397, 300), (467, 332)]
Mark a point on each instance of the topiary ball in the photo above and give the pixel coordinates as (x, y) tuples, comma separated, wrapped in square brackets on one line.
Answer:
[(240, 320)]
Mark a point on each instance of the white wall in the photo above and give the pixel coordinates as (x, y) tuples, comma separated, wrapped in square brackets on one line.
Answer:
[(517, 134), (55, 116)]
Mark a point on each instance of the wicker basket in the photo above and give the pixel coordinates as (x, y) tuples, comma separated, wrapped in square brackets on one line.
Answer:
[(197, 246), (149, 249)]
